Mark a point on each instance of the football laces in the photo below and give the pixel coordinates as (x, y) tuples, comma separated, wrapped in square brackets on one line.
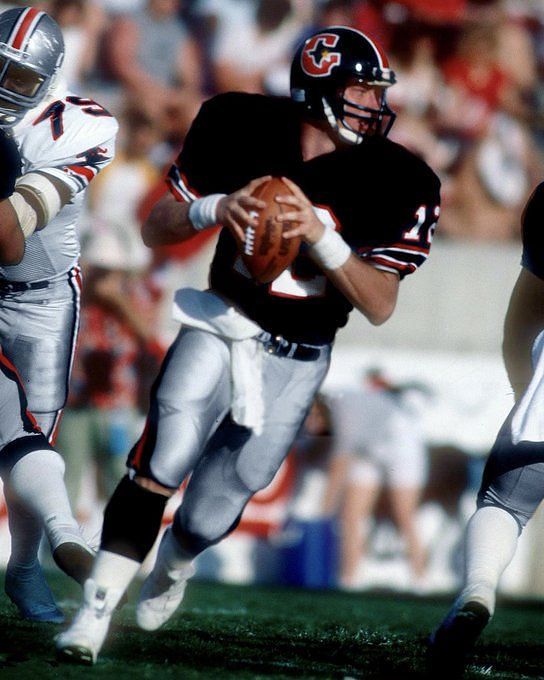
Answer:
[(249, 245)]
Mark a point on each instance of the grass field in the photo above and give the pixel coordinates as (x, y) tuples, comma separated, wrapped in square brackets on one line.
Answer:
[(254, 632)]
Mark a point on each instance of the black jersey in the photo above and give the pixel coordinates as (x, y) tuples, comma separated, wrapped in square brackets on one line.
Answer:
[(533, 233), (382, 198)]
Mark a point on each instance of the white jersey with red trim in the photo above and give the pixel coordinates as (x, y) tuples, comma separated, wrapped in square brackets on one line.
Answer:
[(70, 138)]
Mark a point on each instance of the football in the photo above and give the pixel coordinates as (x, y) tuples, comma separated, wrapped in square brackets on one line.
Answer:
[(265, 252)]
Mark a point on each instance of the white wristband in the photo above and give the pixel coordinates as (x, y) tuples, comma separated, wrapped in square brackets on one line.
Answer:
[(331, 251), (203, 211)]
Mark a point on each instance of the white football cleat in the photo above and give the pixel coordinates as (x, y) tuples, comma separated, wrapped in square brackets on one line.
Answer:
[(85, 637), (163, 589)]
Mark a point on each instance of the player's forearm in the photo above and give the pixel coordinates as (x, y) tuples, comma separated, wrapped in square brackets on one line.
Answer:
[(168, 223), (12, 240), (371, 291)]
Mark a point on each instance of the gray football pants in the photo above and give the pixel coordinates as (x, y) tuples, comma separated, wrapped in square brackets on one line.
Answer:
[(38, 330), (189, 431), (514, 474)]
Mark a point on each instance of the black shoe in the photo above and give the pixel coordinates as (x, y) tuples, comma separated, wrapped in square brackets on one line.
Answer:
[(74, 560), (451, 644)]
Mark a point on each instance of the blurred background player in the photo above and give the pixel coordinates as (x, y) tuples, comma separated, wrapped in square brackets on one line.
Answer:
[(64, 140), (329, 139), (118, 349), (511, 488), (378, 444)]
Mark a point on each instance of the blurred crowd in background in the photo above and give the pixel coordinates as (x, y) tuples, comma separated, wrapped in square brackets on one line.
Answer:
[(469, 99)]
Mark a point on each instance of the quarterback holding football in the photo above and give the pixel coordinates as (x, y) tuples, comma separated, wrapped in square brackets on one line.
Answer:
[(52, 144), (254, 349)]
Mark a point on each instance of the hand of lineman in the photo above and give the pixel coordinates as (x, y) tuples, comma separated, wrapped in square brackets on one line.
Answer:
[(302, 214), (10, 164), (234, 211)]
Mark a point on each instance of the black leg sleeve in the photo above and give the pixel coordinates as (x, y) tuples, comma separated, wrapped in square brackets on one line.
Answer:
[(132, 520)]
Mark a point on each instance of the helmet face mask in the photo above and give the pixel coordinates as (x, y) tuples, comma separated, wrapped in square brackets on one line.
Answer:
[(359, 119), (330, 63), (31, 54)]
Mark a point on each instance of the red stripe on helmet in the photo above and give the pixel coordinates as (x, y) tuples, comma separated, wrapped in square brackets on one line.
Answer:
[(19, 39), (379, 51)]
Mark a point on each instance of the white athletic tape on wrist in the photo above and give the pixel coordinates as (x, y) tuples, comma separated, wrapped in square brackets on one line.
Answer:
[(331, 251), (203, 211), (45, 196), (28, 219)]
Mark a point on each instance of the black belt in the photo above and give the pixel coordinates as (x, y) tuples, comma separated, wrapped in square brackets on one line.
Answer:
[(20, 286), (279, 346)]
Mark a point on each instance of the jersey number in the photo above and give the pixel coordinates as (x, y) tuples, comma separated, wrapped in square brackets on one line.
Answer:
[(55, 113), (414, 234)]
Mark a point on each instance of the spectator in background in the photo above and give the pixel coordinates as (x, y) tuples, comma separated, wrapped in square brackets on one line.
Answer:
[(250, 40), (82, 22), (416, 100), (116, 194), (115, 7), (117, 350), (378, 444), (484, 110), (118, 316), (153, 56)]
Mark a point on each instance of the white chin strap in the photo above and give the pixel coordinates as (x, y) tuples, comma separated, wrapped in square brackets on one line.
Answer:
[(347, 135)]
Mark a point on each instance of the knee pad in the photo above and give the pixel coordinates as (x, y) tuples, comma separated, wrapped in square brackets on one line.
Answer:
[(17, 449), (132, 520), (487, 500)]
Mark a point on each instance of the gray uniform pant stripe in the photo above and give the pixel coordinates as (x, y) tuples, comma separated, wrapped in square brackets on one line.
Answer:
[(38, 331)]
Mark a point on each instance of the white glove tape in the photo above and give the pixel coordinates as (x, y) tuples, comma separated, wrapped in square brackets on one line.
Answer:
[(203, 211), (331, 251)]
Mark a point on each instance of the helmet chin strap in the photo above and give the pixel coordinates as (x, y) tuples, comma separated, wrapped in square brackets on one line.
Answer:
[(347, 135)]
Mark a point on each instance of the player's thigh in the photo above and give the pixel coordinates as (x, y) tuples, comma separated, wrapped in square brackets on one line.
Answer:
[(16, 422), (514, 476), (188, 401), (289, 387), (39, 340)]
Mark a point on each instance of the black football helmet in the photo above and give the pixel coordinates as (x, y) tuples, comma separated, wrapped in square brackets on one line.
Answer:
[(325, 64)]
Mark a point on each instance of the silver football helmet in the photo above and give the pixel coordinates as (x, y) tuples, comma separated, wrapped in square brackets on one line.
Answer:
[(31, 54)]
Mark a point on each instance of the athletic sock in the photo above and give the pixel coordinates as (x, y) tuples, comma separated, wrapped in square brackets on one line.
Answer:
[(36, 481), (25, 530), (491, 541), (172, 555), (113, 572)]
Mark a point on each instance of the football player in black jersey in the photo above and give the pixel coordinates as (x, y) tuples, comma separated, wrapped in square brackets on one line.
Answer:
[(512, 487), (241, 375)]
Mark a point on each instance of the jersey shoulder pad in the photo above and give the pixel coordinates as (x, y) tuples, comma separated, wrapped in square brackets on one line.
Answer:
[(64, 130), (410, 165), (240, 108)]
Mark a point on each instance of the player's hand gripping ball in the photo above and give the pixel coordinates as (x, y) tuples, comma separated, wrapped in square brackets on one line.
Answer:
[(265, 252)]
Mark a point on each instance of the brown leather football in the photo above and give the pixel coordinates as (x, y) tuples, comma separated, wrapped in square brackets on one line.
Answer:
[(265, 252)]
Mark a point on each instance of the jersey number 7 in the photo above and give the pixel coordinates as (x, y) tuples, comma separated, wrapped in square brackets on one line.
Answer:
[(55, 113)]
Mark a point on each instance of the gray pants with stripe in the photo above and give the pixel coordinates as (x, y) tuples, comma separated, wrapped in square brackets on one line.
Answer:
[(514, 474), (38, 330), (189, 431)]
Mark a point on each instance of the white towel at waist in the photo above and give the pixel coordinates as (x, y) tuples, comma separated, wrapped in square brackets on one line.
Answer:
[(207, 311)]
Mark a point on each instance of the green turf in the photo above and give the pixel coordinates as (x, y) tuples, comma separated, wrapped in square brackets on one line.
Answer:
[(255, 632)]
